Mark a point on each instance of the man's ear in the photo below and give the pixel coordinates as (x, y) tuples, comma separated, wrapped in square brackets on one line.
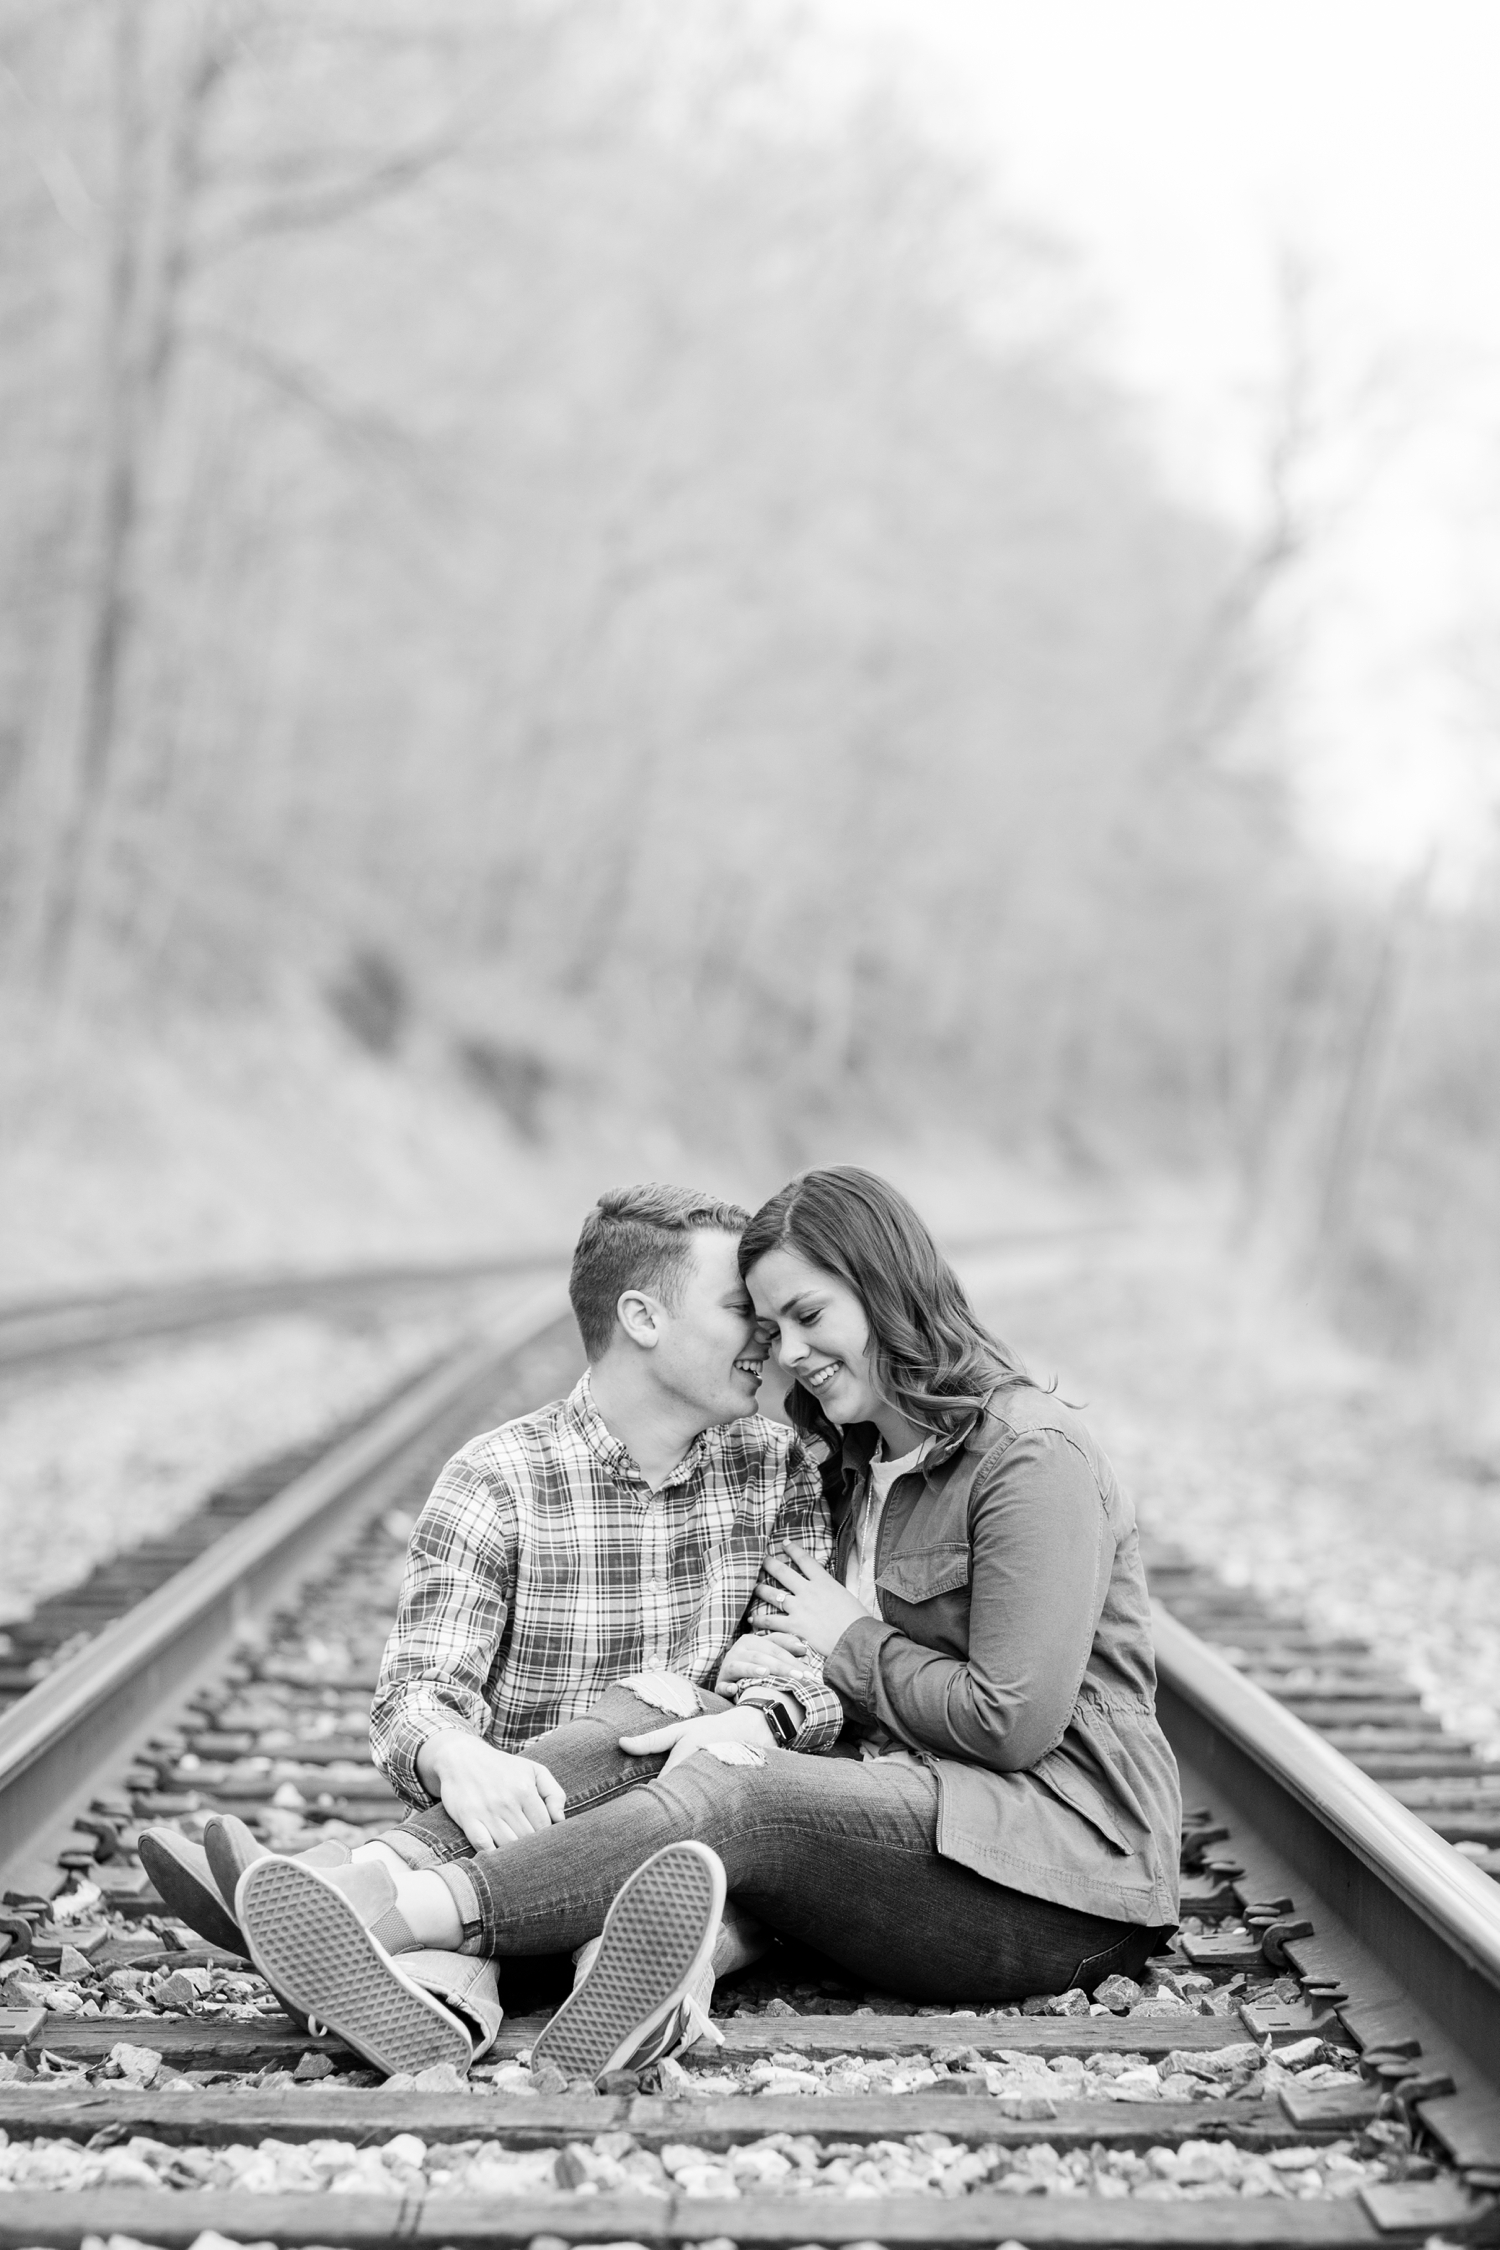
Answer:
[(640, 1317)]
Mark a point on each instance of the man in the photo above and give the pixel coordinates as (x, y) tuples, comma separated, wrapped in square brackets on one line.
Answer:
[(596, 1557)]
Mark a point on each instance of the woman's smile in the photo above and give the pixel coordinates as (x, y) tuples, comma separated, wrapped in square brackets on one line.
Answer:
[(818, 1378)]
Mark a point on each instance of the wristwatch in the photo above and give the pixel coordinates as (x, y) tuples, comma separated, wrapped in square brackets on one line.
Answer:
[(782, 1725)]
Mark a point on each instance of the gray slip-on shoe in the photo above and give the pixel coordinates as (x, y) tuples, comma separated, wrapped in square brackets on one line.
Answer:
[(181, 1873), (309, 1941), (656, 1944), (231, 1847)]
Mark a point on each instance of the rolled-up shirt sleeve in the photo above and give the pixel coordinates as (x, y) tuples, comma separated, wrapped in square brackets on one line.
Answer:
[(820, 1714), (1041, 1552), (455, 1600)]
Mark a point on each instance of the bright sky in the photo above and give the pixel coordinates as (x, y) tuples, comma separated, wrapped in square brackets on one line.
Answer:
[(1179, 143)]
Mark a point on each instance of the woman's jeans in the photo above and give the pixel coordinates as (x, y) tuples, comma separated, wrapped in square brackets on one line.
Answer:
[(840, 1853)]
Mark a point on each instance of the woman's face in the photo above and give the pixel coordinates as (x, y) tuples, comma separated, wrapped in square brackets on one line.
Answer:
[(821, 1334)]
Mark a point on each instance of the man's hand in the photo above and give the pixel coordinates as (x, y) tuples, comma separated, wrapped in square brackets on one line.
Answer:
[(496, 1796), (797, 1595), (684, 1736)]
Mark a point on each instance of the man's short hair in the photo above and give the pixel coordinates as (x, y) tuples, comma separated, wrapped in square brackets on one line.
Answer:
[(638, 1238)]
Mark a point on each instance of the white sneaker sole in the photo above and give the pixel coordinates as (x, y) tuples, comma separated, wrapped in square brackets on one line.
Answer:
[(657, 1938), (307, 1942)]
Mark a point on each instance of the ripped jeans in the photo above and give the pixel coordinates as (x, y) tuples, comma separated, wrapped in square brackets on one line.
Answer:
[(840, 1853), (584, 1755)]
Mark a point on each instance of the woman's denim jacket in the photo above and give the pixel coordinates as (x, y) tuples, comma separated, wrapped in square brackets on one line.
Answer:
[(1013, 1654)]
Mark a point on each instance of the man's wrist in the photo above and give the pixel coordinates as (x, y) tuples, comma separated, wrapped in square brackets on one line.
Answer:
[(430, 1758), (781, 1725), (759, 1730), (779, 1709)]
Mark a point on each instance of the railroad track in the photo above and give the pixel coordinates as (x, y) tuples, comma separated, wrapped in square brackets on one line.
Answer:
[(1315, 2063), (62, 1327)]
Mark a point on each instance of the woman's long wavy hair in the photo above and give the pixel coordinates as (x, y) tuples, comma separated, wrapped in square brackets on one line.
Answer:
[(931, 1357)]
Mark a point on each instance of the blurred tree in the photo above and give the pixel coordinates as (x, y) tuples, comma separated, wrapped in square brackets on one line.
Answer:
[(513, 492)]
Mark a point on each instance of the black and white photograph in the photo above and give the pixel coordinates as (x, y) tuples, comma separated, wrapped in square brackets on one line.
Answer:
[(749, 1124)]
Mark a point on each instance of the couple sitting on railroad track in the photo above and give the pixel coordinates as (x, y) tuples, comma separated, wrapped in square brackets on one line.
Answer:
[(884, 1677)]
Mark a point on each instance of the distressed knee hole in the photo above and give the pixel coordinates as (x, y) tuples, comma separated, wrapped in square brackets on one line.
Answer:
[(665, 1691)]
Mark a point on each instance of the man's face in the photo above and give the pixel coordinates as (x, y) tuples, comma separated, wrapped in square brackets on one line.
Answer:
[(710, 1353)]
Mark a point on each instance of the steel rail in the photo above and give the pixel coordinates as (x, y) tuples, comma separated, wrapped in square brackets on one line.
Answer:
[(1420, 1906), (61, 1740), (59, 1327)]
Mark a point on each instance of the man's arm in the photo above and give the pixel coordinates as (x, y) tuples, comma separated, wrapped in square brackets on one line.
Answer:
[(430, 1719), (803, 1517), (802, 1520)]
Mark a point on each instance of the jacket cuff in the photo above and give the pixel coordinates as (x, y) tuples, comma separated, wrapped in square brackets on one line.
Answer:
[(851, 1667)]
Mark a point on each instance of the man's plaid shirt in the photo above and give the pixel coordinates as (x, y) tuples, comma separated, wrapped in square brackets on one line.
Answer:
[(544, 1568)]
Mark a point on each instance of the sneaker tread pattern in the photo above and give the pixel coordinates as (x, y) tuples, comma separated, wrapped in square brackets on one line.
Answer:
[(309, 1943), (654, 1939)]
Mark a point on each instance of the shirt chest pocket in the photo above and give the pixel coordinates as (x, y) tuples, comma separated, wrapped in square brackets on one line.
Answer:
[(923, 1576)]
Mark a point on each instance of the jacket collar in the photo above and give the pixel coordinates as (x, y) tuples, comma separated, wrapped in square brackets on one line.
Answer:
[(862, 1441)]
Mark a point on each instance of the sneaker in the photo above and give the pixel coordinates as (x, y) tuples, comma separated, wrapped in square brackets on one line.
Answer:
[(657, 1943), (310, 1935), (231, 1847), (181, 1873)]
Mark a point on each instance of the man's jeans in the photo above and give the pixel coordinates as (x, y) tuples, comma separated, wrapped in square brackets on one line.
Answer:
[(584, 1755), (838, 1852)]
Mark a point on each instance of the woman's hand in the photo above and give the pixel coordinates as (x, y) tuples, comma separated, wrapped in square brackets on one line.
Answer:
[(805, 1599), (684, 1736), (761, 1656)]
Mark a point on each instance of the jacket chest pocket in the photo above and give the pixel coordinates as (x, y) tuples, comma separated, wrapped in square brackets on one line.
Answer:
[(922, 1576)]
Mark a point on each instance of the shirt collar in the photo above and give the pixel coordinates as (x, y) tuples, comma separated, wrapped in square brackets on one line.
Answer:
[(615, 1456)]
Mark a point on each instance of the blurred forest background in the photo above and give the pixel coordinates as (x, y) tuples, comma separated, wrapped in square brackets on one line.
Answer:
[(568, 611)]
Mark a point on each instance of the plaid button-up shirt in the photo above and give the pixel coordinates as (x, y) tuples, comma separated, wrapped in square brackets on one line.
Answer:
[(544, 1568)]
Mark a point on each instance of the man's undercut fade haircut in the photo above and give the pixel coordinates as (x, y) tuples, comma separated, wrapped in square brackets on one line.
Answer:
[(638, 1238)]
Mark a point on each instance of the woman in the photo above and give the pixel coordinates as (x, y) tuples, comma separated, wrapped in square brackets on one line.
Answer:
[(1005, 1817), (986, 1624)]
